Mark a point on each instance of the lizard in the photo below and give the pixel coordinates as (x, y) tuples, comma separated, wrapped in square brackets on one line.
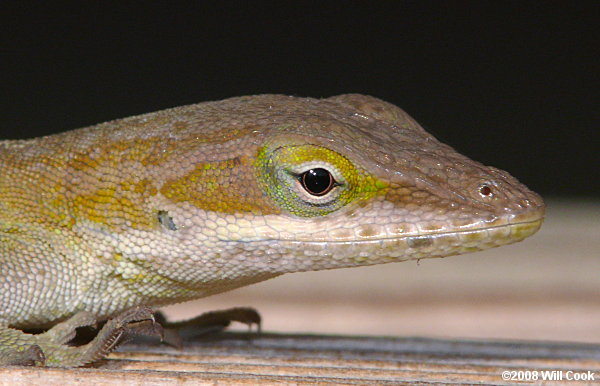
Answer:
[(102, 222)]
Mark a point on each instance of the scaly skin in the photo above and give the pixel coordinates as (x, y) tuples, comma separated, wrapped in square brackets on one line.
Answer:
[(192, 201)]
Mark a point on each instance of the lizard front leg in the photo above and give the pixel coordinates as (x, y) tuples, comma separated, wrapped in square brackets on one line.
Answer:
[(50, 348)]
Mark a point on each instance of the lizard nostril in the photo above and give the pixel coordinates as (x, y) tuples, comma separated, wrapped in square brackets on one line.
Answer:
[(485, 191)]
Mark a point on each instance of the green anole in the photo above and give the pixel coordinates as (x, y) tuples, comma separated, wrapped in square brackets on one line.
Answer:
[(97, 223)]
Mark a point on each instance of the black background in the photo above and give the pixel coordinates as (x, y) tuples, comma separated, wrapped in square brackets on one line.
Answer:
[(511, 84)]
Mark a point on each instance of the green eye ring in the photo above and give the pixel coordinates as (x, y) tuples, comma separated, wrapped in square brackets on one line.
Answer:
[(285, 170)]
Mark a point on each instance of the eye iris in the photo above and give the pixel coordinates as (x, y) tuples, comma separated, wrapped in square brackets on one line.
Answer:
[(317, 181)]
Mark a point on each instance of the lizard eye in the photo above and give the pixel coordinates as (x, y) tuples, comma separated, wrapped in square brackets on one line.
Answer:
[(309, 180), (317, 182)]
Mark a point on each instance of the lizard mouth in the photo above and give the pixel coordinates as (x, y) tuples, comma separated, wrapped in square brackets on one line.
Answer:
[(414, 247), (517, 232), (307, 255), (369, 245)]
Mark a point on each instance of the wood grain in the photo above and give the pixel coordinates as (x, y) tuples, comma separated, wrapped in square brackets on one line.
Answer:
[(240, 358)]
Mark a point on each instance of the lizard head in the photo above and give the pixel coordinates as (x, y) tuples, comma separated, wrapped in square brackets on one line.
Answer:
[(252, 187), (357, 181)]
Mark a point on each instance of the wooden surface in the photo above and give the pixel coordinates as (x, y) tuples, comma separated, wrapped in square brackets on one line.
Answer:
[(238, 358)]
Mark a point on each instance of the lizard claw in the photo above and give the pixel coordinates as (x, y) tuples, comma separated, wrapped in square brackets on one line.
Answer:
[(131, 321)]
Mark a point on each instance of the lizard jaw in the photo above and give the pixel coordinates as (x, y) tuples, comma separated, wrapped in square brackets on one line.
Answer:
[(330, 254)]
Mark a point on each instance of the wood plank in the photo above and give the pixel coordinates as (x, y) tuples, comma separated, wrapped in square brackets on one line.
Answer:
[(247, 358)]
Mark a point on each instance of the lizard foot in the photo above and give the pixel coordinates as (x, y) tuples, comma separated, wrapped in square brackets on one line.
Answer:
[(30, 356), (208, 322), (50, 348)]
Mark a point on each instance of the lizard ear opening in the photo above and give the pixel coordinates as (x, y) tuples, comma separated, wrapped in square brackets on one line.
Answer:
[(165, 220)]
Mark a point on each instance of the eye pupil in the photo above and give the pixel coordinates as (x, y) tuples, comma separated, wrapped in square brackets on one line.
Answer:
[(317, 182)]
